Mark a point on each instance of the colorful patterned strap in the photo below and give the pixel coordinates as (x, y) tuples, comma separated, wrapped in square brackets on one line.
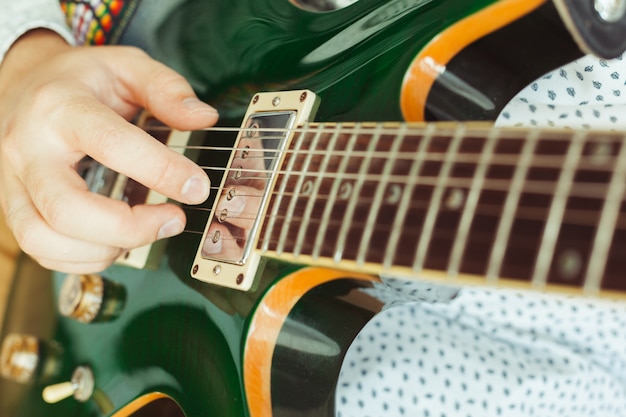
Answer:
[(98, 22)]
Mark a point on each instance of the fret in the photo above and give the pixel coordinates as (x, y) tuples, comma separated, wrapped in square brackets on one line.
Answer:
[(323, 168), (506, 222), (352, 204), (606, 226), (557, 210), (277, 202), (334, 192), (375, 206), (300, 184), (435, 201), (471, 203)]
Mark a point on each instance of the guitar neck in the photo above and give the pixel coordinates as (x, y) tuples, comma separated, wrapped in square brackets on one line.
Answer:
[(538, 208)]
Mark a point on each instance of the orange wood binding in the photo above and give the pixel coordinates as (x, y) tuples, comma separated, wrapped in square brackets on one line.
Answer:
[(433, 58), (139, 403), (265, 328)]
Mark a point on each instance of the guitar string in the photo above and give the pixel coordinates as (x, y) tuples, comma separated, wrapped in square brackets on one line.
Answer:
[(580, 217), (589, 162), (600, 163)]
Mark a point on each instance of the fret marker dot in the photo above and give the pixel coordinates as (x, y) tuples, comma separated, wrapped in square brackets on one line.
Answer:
[(395, 193), (455, 199), (345, 190), (307, 187), (569, 264), (600, 153)]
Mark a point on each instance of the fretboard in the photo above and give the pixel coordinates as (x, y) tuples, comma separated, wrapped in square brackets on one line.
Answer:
[(539, 207)]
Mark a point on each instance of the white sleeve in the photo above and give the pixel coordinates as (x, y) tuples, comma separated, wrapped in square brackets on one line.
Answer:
[(19, 16)]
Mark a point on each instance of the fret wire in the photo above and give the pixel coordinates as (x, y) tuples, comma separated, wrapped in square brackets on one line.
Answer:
[(352, 204), (435, 200), (508, 213), (557, 211), (378, 198), (405, 202), (332, 144), (330, 202), (292, 202), (606, 226), (279, 196), (471, 203)]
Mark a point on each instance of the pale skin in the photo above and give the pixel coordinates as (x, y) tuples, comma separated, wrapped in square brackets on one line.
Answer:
[(59, 103)]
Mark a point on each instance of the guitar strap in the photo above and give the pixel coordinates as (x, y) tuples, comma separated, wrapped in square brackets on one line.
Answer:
[(98, 22)]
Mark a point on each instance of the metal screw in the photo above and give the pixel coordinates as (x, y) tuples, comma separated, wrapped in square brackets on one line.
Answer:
[(239, 279), (610, 10), (276, 101), (195, 269), (303, 96), (217, 270), (255, 99)]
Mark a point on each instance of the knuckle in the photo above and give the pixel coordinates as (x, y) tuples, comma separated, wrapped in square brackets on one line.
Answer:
[(162, 175), (56, 212), (27, 237)]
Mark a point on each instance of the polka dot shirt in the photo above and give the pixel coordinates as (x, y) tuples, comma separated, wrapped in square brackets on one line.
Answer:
[(437, 351)]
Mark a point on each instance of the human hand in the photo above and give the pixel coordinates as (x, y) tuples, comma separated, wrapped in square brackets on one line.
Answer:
[(59, 103)]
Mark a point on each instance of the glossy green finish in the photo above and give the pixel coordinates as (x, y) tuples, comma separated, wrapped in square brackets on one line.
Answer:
[(175, 335), (354, 58)]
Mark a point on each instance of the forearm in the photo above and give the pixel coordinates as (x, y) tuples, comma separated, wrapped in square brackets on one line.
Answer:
[(20, 17)]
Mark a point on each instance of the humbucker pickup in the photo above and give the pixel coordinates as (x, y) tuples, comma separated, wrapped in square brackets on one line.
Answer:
[(226, 253)]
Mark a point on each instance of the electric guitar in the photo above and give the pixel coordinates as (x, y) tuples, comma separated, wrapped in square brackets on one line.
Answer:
[(251, 310)]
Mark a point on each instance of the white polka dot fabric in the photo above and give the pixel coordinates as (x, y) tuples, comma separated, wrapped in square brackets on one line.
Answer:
[(587, 93), (488, 353), (477, 352)]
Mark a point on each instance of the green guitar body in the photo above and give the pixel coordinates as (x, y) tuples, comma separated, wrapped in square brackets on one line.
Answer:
[(186, 339)]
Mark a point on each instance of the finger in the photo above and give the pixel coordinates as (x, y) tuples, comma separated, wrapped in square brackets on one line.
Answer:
[(74, 267), (40, 241), (165, 93), (125, 148), (67, 205)]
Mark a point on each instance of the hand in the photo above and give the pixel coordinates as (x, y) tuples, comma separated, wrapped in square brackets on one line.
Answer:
[(59, 103)]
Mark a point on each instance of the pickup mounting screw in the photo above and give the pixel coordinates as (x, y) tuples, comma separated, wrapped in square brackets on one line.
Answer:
[(276, 101)]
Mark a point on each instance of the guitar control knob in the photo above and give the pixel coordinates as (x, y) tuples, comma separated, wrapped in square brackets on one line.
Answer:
[(24, 358), (81, 387), (91, 298)]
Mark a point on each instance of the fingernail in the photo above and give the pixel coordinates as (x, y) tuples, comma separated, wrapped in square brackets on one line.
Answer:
[(172, 228), (194, 105), (196, 189)]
